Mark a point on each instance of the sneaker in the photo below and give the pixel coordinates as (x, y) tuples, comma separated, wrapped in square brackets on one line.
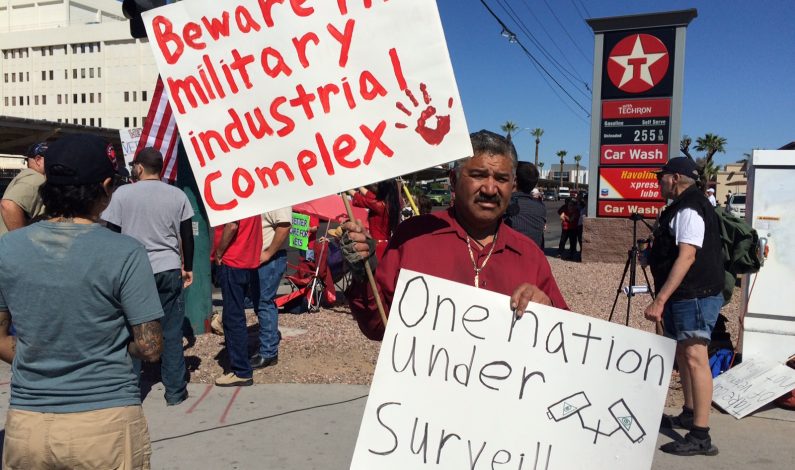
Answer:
[(216, 325), (690, 446), (680, 421), (232, 380)]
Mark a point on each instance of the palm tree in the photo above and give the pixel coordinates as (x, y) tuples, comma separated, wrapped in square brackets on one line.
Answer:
[(577, 159), (684, 146), (509, 127), (708, 169), (537, 133), (540, 167), (562, 155), (712, 144)]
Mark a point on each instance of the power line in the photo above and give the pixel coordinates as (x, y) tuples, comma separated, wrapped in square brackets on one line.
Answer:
[(554, 43), (576, 46), (566, 74), (513, 37), (577, 4)]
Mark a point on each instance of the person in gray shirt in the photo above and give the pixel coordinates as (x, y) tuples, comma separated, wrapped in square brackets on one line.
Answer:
[(159, 216), (83, 301)]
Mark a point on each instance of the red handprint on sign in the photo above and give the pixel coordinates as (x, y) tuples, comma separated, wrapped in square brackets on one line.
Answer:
[(433, 136)]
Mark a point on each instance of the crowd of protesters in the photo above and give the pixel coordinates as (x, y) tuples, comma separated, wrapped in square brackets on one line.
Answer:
[(119, 256)]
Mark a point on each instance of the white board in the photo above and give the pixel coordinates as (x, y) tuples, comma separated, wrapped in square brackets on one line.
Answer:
[(751, 385), (129, 141), (552, 390), (284, 102)]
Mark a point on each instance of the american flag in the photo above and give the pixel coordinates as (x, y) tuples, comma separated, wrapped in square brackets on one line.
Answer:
[(160, 131)]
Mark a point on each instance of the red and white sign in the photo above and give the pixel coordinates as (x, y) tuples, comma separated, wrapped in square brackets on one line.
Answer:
[(634, 154), (624, 209), (646, 108), (284, 102), (637, 63), (628, 183)]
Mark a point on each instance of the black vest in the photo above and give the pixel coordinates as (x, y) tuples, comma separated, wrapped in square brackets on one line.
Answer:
[(705, 277)]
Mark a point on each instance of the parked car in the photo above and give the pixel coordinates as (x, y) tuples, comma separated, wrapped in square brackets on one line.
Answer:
[(549, 195), (563, 192), (736, 205), (440, 197)]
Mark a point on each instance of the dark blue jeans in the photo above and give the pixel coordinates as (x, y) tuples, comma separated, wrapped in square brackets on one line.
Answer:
[(235, 284), (270, 275), (172, 360)]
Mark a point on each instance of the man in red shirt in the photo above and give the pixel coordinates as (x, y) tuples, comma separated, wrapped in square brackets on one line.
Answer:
[(236, 252), (467, 243)]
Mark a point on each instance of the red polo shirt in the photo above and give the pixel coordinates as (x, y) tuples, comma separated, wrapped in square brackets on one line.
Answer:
[(245, 249), (436, 244)]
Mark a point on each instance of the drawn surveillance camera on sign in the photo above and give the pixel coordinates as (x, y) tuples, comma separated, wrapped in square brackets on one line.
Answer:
[(573, 405)]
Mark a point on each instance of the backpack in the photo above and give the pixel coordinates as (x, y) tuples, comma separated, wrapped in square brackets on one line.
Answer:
[(739, 243)]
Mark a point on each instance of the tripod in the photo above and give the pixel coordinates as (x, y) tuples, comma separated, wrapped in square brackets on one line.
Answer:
[(631, 266)]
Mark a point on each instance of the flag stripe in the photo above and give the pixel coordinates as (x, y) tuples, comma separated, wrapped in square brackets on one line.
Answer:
[(160, 131)]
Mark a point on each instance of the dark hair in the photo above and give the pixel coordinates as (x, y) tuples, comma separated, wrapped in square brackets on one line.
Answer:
[(151, 159), (387, 191), (424, 204), (71, 200), (526, 176), (488, 142)]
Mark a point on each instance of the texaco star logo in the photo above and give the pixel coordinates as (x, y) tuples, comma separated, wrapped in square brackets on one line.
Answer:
[(637, 63)]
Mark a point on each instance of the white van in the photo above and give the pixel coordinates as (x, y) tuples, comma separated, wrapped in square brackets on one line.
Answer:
[(563, 192), (736, 205)]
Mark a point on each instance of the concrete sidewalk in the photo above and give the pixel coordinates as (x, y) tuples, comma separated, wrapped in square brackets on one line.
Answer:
[(303, 427)]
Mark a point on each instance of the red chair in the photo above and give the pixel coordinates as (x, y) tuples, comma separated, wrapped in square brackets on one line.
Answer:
[(313, 282)]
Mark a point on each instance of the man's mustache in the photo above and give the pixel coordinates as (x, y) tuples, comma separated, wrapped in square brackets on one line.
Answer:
[(493, 199)]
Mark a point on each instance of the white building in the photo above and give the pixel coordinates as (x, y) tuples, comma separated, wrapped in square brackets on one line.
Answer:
[(73, 61), (571, 173)]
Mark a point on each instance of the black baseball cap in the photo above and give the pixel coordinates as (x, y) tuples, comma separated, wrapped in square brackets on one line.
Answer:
[(680, 165), (37, 149), (78, 159)]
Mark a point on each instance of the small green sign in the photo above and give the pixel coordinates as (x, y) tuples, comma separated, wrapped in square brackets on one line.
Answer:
[(299, 232)]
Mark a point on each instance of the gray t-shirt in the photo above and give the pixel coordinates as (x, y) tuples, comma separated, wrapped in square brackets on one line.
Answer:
[(73, 292), (150, 211)]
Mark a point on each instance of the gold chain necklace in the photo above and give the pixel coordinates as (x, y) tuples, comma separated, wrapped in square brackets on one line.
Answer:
[(474, 263)]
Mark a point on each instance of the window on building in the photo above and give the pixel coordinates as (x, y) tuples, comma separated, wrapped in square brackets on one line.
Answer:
[(51, 74), (83, 98), (66, 98), (65, 74), (135, 96), (83, 51), (13, 101), (126, 122), (143, 95), (91, 122), (43, 52), (99, 123), (83, 121), (83, 73), (74, 121), (99, 49), (90, 97), (5, 77), (99, 72), (91, 72), (36, 100), (99, 97), (74, 98), (13, 77), (50, 49), (43, 75), (91, 48), (27, 76), (5, 98), (74, 48), (135, 122), (60, 99), (74, 74), (44, 99), (126, 98)]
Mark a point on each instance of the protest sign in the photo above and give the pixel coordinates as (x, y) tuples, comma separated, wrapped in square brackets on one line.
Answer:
[(749, 386), (299, 231), (282, 102), (462, 383), (129, 141)]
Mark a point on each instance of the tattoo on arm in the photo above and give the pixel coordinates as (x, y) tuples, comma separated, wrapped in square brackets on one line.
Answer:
[(8, 343), (147, 341)]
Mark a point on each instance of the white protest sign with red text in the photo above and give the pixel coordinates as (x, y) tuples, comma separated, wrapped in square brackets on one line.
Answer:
[(284, 101), (461, 383)]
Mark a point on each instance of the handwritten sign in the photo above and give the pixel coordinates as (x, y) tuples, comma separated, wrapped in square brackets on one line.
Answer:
[(299, 231), (129, 137), (462, 383), (280, 102), (749, 386)]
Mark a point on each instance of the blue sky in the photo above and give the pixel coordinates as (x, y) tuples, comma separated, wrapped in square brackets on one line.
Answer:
[(739, 70)]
